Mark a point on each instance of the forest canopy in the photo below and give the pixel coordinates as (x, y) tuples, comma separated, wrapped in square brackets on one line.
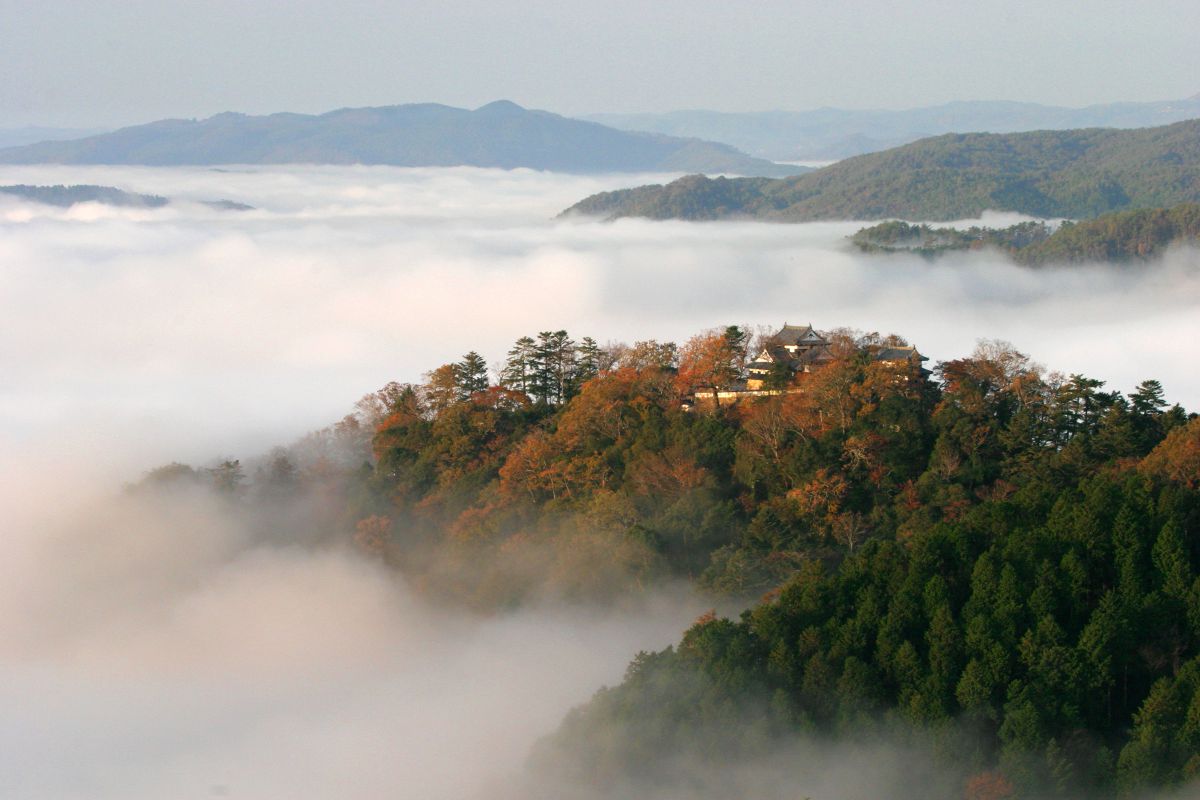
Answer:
[(1122, 237)]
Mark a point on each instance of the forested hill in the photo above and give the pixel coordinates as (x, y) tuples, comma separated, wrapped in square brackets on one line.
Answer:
[(1005, 560), (500, 134), (1037, 636), (999, 561), (1075, 174), (1121, 237)]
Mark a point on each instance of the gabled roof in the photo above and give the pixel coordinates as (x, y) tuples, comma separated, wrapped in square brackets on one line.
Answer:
[(814, 355), (907, 353), (764, 357), (797, 335)]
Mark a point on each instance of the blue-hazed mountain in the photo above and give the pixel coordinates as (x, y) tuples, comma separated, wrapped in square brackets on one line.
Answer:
[(1076, 174), (833, 133), (500, 134)]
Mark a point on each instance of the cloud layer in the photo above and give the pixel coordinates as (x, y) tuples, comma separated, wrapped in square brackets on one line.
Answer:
[(267, 322), (147, 652), (153, 649)]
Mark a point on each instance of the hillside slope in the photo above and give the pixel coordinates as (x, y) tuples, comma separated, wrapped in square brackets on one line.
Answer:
[(500, 134), (1076, 174)]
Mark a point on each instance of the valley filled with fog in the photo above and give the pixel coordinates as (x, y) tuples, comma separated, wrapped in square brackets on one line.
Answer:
[(162, 650), (198, 332)]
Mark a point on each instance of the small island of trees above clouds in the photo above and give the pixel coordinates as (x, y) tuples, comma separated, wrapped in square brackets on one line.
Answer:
[(992, 563), (1117, 238)]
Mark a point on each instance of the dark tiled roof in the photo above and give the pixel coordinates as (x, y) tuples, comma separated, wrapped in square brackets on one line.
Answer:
[(898, 354), (797, 335), (814, 354)]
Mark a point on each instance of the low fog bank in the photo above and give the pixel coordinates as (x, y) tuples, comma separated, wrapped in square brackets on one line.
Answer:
[(904, 767), (899, 763), (791, 769), (157, 646)]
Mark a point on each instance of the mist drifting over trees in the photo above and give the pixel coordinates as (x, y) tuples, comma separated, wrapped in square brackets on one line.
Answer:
[(269, 623)]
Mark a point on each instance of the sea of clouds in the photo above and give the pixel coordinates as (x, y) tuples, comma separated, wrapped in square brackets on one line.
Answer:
[(252, 326), (150, 652)]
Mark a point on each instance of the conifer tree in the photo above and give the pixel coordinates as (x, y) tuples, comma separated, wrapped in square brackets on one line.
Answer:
[(584, 365), (470, 375), (519, 366), (587, 360), (737, 342), (554, 365)]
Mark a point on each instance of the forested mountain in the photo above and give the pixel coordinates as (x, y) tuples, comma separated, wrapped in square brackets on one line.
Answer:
[(500, 134), (996, 563), (1037, 635), (1075, 174), (834, 133), (1121, 237)]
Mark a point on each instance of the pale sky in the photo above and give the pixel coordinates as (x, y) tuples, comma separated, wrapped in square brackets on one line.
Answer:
[(113, 62)]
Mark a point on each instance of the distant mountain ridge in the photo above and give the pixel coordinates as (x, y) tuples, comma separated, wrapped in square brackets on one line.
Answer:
[(1075, 174), (500, 134), (826, 134)]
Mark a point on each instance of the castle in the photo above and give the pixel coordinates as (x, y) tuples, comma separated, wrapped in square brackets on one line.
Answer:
[(791, 350)]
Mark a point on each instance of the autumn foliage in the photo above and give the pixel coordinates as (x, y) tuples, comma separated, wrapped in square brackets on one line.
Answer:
[(981, 544), (1177, 458), (988, 786)]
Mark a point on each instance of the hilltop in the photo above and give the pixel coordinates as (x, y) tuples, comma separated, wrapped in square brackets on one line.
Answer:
[(835, 133), (1075, 174), (500, 134), (1121, 237)]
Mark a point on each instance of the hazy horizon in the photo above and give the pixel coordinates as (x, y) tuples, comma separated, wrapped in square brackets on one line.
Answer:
[(181, 60), (90, 130)]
